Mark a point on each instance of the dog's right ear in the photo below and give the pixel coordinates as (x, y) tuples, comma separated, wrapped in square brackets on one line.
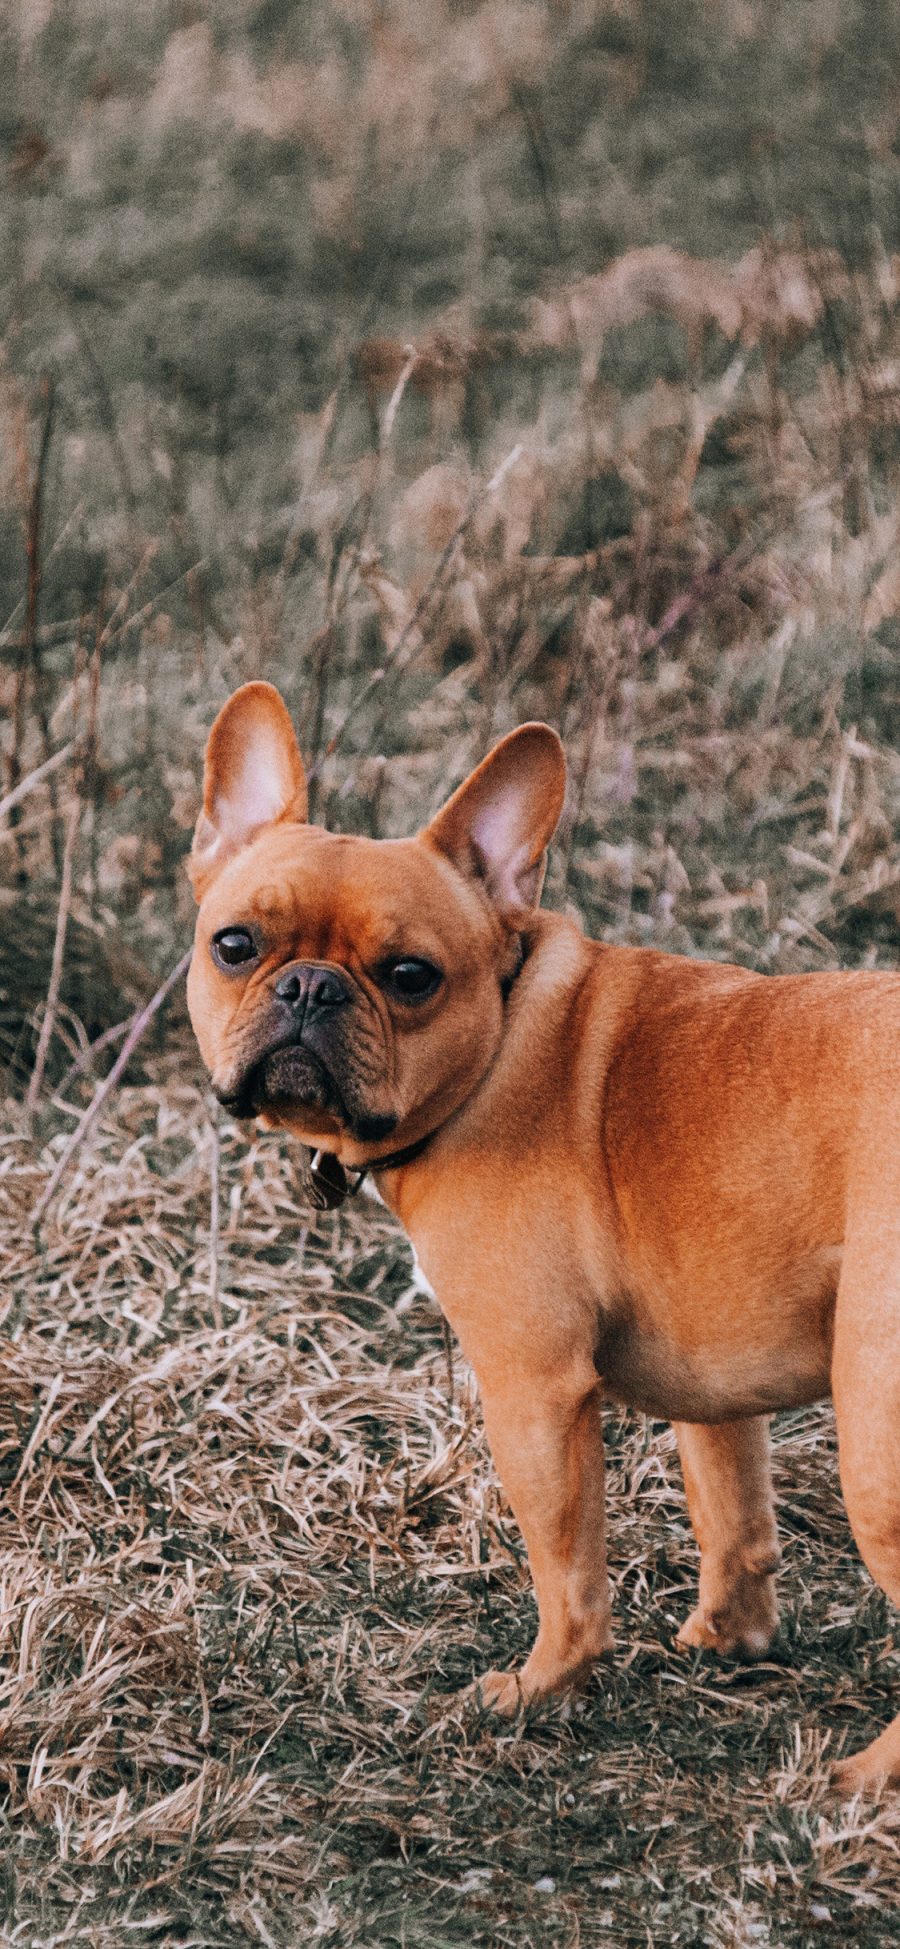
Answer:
[(253, 777), (497, 826)]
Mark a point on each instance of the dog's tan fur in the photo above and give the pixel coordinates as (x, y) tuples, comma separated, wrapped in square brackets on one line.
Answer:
[(666, 1181)]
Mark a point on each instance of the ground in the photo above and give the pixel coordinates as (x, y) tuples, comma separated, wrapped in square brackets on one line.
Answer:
[(253, 1554)]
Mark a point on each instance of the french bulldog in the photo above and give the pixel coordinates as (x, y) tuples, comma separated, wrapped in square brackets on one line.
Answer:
[(626, 1174)]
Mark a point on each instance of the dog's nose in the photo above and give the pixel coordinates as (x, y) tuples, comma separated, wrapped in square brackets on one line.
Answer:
[(308, 987)]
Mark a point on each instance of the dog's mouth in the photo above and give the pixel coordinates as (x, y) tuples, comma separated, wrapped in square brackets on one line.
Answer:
[(283, 1078), (292, 1078)]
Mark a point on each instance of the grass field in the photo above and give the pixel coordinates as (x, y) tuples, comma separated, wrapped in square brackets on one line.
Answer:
[(253, 1549), (447, 364)]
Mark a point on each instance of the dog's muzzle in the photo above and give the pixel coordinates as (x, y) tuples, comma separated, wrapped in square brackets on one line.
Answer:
[(294, 1061)]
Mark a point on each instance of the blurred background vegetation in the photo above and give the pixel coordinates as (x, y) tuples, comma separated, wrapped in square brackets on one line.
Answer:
[(283, 287)]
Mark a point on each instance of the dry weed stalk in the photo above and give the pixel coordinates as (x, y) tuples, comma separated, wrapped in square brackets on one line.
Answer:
[(408, 639), (48, 1019), (139, 1025), (34, 777), (28, 662)]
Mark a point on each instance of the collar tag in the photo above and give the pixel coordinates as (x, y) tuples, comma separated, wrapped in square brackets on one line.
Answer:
[(329, 1184)]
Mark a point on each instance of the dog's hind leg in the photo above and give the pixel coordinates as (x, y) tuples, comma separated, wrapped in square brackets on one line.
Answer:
[(866, 1389), (728, 1479)]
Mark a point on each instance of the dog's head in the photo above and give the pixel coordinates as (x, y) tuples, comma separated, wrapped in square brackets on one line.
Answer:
[(349, 989)]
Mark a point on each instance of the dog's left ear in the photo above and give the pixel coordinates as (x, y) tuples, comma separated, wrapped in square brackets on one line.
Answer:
[(499, 823), (253, 777)]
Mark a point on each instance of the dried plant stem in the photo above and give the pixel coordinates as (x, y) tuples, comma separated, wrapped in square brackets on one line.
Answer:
[(593, 730), (393, 404), (139, 1026), (106, 414), (115, 623), (34, 528), (56, 967), (28, 657), (706, 579), (434, 582), (116, 628), (319, 661), (33, 778), (214, 1217), (90, 766), (48, 632), (448, 1361), (86, 1056)]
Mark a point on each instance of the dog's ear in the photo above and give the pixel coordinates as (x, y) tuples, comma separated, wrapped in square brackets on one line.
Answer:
[(499, 823), (253, 777)]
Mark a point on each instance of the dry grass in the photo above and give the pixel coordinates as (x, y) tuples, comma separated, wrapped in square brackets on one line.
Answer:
[(251, 1543), (507, 361), (251, 1549)]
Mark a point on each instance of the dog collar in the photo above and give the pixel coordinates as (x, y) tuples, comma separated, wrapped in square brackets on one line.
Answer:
[(331, 1185)]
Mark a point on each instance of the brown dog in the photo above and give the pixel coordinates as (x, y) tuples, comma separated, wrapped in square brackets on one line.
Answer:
[(663, 1180)]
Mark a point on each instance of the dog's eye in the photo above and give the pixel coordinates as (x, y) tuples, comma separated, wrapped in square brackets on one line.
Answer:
[(232, 945), (412, 979)]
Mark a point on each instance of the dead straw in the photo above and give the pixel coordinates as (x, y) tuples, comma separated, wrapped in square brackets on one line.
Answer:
[(249, 1569), (140, 1024)]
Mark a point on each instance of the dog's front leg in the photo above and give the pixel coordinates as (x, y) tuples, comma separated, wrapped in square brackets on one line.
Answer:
[(728, 1479), (547, 1443)]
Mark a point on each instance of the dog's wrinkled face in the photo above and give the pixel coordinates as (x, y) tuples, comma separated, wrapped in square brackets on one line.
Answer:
[(329, 992), (348, 989)]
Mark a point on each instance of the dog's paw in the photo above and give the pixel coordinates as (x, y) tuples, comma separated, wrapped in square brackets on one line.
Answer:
[(847, 1778), (856, 1775), (501, 1692), (873, 1771), (730, 1632)]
